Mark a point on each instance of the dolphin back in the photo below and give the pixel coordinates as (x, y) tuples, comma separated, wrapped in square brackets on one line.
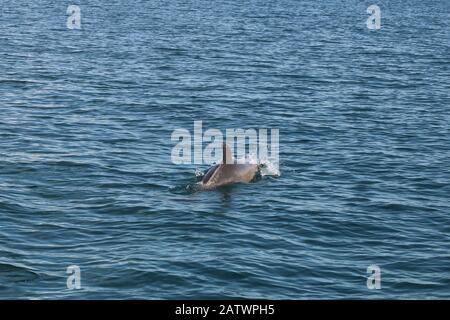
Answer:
[(228, 172), (225, 174)]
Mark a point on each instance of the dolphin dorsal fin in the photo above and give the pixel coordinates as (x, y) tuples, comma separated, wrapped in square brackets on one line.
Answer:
[(226, 153)]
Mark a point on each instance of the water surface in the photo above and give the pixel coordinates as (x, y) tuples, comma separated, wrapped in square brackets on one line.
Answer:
[(86, 176)]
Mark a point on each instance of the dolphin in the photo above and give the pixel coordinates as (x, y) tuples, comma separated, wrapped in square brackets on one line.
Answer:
[(228, 172)]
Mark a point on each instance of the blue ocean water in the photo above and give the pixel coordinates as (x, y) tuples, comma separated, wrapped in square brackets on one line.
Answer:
[(86, 176)]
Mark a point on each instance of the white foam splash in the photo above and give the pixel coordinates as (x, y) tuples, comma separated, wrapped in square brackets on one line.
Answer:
[(199, 173), (267, 167)]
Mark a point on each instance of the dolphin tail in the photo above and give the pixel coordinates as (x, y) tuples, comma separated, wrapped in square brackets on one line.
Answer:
[(226, 154)]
